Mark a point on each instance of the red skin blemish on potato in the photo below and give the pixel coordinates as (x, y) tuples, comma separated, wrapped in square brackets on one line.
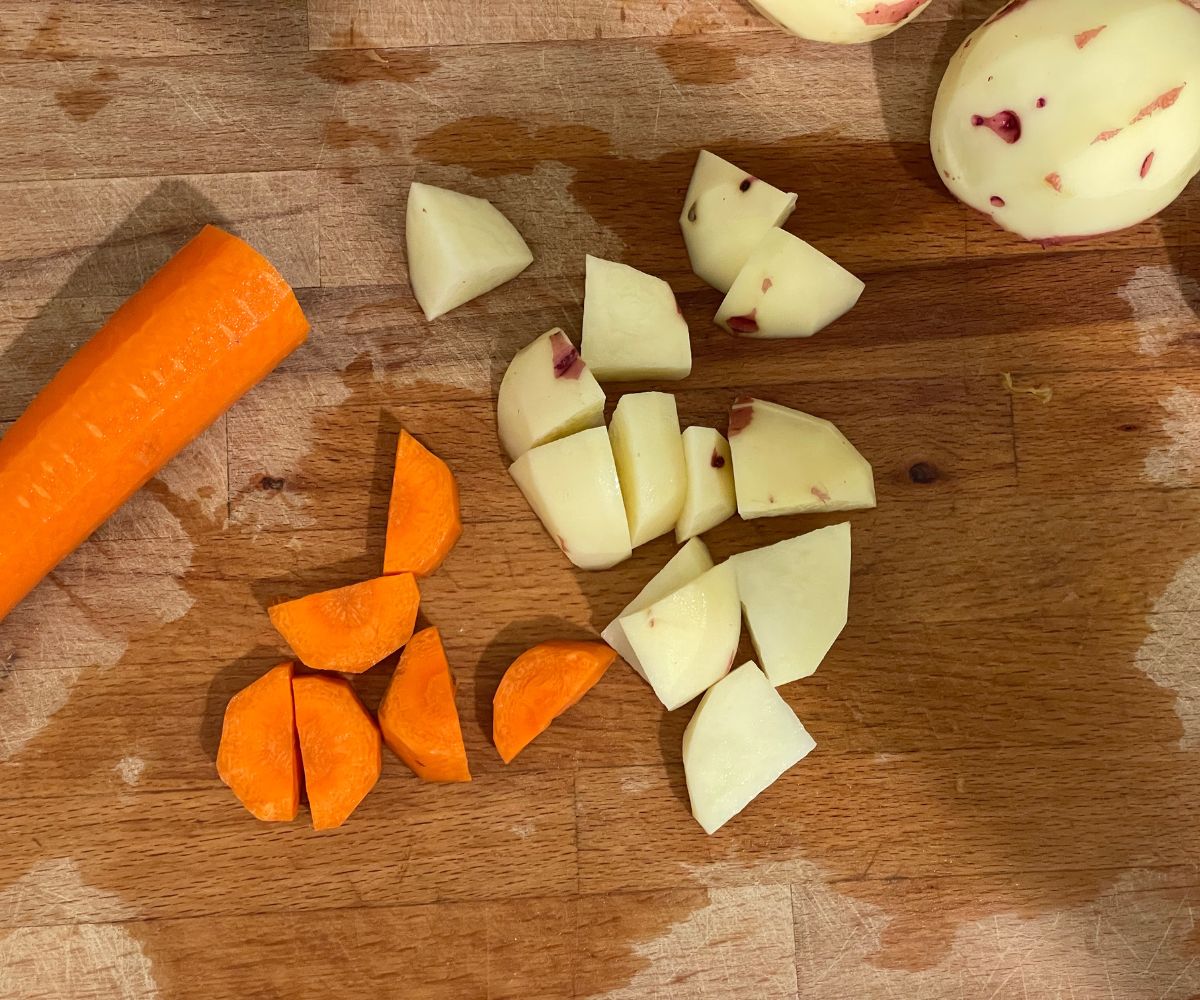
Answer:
[(718, 460), (1041, 102), (740, 415), (744, 324), (997, 201), (890, 13), (1055, 181), (1147, 163), (745, 185), (1086, 36), (766, 285), (1112, 133), (820, 494), (1006, 124), (567, 362), (1160, 103)]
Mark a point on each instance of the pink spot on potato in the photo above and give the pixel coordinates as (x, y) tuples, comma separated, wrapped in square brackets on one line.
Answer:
[(744, 324), (997, 201), (1147, 163), (567, 362), (820, 494), (1006, 124), (1160, 103), (740, 414), (1041, 102), (718, 460), (766, 285), (890, 13), (745, 185), (1112, 133), (1055, 181), (1086, 36)]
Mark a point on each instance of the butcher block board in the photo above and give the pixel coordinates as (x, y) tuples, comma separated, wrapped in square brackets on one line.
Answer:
[(1005, 797)]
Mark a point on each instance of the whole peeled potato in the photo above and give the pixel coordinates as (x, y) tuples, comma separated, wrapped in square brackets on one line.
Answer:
[(840, 21), (1064, 119)]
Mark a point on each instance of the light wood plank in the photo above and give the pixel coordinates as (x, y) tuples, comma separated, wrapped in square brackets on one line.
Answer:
[(58, 30)]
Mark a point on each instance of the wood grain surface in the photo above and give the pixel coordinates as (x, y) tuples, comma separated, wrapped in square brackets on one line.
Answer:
[(1005, 798)]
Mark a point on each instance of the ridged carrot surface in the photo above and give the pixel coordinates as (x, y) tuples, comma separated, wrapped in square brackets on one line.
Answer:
[(418, 716), (423, 516), (259, 757), (339, 746), (350, 629), (212, 322), (541, 684)]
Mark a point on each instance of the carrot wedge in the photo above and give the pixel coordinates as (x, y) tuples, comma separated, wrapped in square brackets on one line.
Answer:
[(350, 629), (423, 517), (211, 323), (258, 757), (339, 747), (541, 684), (418, 715)]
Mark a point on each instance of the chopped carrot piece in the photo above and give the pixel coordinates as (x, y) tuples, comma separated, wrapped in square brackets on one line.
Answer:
[(258, 757), (352, 628), (339, 745), (210, 323), (541, 684), (418, 715), (423, 518)]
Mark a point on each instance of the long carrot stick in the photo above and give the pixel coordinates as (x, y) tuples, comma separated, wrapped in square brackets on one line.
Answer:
[(214, 320)]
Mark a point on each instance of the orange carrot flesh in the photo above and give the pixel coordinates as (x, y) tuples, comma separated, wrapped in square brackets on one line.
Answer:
[(418, 715), (339, 746), (423, 516), (259, 757), (352, 628), (541, 684), (214, 320)]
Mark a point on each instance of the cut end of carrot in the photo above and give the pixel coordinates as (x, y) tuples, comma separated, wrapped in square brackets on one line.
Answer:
[(423, 516), (541, 684), (418, 716), (339, 746), (350, 629), (259, 756)]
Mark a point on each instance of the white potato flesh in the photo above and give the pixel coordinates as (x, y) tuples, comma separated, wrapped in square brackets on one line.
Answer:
[(710, 498), (459, 247), (1063, 119), (743, 737), (789, 462), (796, 596), (843, 22), (725, 214), (787, 289), (547, 393), (686, 642), (649, 452), (688, 563), (632, 327), (572, 486)]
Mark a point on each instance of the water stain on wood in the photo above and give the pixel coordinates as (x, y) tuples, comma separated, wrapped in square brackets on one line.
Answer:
[(83, 103), (701, 60), (339, 134), (47, 41), (493, 146), (353, 67)]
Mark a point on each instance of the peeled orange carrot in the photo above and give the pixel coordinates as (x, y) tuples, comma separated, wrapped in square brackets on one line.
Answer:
[(418, 715), (541, 684), (352, 628), (339, 746), (423, 517), (258, 757), (213, 321)]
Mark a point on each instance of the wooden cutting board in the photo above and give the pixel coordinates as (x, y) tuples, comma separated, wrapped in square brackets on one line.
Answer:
[(1005, 797)]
